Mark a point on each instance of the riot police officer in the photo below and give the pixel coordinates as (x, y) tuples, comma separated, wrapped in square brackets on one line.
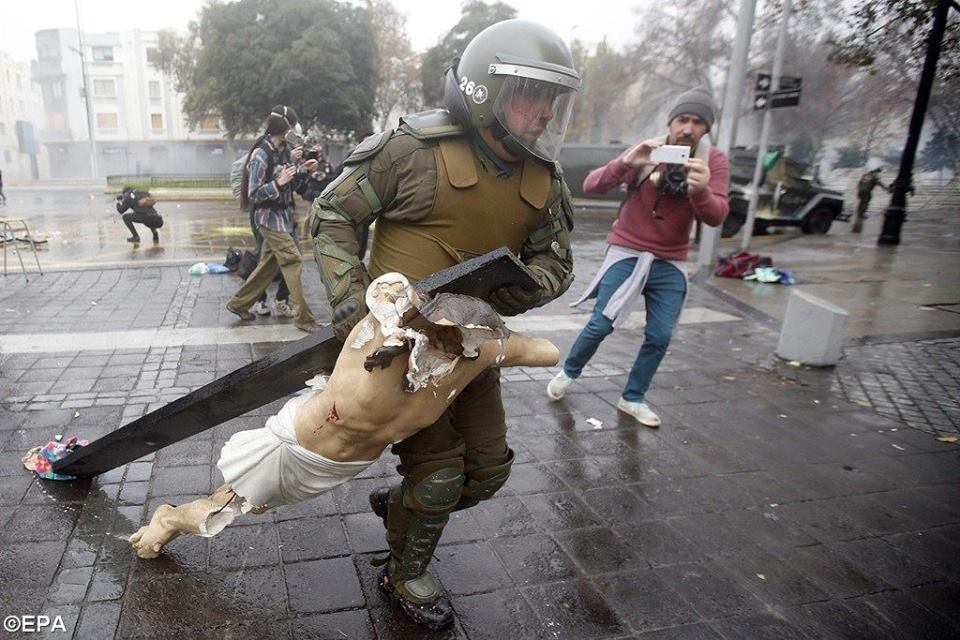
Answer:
[(448, 185)]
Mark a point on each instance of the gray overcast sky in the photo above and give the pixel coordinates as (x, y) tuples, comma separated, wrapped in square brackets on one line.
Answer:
[(427, 20)]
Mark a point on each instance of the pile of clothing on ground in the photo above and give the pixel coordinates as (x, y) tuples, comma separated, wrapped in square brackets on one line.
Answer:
[(752, 266)]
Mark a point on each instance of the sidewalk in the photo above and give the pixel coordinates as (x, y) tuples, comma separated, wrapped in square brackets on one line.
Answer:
[(772, 503)]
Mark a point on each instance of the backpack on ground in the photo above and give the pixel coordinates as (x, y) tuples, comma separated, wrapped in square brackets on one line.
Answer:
[(248, 262), (232, 261)]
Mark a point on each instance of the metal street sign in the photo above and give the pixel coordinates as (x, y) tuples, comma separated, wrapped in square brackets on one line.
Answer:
[(764, 80), (780, 99)]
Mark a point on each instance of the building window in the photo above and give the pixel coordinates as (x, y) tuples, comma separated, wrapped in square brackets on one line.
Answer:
[(58, 121), (103, 54), (154, 89), (107, 121), (156, 121), (210, 123), (105, 88), (56, 89), (3, 129), (6, 156), (153, 56), (19, 82)]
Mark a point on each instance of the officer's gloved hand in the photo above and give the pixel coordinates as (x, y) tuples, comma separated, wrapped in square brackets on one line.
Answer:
[(512, 300), (346, 315)]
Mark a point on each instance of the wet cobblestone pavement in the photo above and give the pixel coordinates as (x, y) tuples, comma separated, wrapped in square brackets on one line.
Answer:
[(772, 503), (917, 383)]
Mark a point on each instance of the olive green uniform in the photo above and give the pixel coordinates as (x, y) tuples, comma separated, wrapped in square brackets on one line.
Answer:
[(439, 198)]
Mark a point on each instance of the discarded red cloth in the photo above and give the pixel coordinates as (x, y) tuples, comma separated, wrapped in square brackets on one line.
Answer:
[(740, 264)]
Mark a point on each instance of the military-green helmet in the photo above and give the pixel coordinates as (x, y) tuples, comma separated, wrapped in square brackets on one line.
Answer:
[(517, 77)]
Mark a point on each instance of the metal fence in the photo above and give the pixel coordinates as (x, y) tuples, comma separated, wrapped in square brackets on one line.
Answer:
[(172, 181)]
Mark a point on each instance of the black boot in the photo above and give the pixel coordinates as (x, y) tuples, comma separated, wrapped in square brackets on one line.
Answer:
[(133, 239), (156, 237), (436, 615)]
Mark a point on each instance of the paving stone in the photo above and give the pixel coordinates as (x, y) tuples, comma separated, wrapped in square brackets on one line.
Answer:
[(712, 590), (560, 511), (645, 601), (598, 550), (239, 547), (312, 538), (98, 620), (574, 609), (897, 615), (354, 624), (513, 619), (533, 559), (759, 627), (469, 568), (302, 576)]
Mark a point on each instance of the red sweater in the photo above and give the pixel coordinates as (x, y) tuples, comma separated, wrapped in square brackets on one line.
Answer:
[(666, 238)]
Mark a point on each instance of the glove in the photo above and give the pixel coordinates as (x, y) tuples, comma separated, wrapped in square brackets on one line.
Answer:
[(512, 300), (346, 315)]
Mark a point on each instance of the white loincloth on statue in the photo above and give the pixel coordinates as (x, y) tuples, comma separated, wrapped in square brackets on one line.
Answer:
[(267, 467)]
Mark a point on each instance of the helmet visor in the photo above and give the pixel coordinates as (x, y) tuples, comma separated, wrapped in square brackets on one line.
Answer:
[(535, 113)]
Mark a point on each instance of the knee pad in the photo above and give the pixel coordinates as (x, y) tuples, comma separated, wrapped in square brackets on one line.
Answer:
[(433, 488), (482, 484)]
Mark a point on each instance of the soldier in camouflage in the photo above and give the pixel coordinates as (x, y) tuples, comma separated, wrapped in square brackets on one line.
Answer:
[(448, 185)]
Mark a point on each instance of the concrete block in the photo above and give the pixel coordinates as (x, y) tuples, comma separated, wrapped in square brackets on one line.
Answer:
[(813, 330)]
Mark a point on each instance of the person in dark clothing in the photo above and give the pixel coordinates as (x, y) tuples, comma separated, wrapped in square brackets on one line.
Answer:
[(3, 197), (868, 182), (138, 206)]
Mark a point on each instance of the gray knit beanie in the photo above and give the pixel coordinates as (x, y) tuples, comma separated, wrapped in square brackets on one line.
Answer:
[(697, 101)]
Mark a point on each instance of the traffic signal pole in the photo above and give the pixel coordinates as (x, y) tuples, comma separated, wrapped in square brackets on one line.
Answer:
[(765, 129), (710, 236), (897, 211)]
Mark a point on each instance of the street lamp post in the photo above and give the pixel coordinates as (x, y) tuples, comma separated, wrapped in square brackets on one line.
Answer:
[(897, 211), (86, 93)]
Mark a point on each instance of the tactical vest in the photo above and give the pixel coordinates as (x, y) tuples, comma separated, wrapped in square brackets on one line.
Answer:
[(474, 211)]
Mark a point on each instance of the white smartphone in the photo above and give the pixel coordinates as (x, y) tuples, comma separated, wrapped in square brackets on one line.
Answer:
[(671, 154)]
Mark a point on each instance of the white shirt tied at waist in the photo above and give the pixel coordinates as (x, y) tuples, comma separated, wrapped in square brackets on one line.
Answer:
[(624, 299)]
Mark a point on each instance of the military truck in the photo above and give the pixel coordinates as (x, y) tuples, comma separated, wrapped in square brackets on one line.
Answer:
[(788, 195)]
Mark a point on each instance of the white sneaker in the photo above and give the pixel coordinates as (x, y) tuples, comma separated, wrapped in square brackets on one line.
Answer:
[(640, 412), (260, 309), (559, 385), (283, 308)]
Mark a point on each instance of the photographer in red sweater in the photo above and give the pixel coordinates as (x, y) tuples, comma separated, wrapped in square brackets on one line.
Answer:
[(647, 245)]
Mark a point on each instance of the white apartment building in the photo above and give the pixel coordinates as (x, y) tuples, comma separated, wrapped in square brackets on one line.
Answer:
[(21, 116), (137, 119)]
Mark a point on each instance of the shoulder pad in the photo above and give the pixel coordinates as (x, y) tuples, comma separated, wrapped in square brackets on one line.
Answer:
[(370, 146), (428, 125)]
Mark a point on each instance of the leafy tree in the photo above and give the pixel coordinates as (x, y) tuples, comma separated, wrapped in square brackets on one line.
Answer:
[(241, 58), (850, 158), (599, 109), (936, 154), (474, 18), (890, 37), (679, 46), (399, 67)]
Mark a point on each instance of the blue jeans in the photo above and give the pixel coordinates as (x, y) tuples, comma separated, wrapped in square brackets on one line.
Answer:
[(664, 292)]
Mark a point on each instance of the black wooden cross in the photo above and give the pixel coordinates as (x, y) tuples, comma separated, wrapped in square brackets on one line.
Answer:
[(277, 375)]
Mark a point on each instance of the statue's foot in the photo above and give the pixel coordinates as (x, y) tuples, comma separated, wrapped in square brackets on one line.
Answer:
[(148, 541)]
